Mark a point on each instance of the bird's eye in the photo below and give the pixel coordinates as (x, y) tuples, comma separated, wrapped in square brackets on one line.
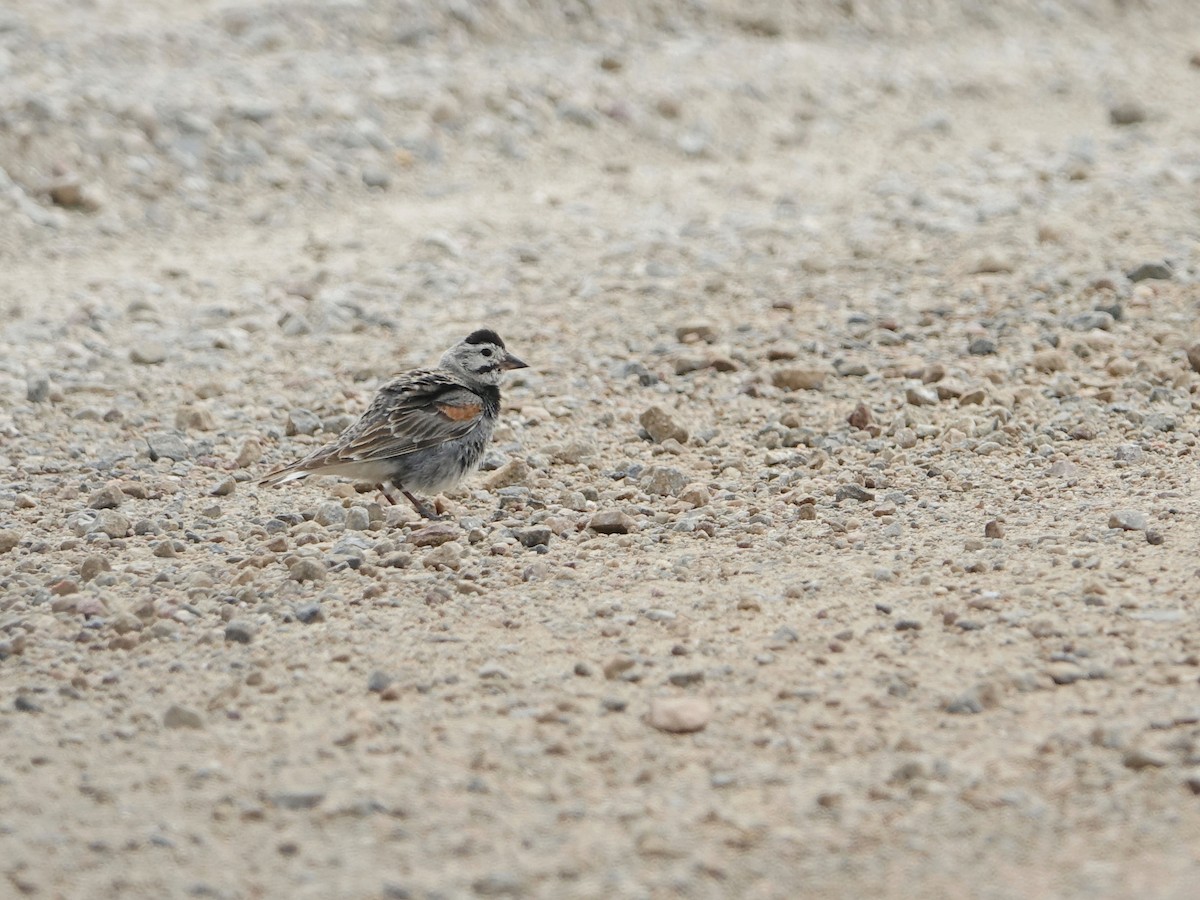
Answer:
[(486, 352)]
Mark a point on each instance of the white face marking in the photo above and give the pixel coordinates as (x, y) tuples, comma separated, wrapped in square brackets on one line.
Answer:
[(478, 362)]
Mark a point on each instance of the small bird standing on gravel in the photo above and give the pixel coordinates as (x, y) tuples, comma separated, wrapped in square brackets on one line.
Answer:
[(424, 430)]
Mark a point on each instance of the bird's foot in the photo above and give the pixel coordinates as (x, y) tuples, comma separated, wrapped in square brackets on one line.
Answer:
[(425, 511)]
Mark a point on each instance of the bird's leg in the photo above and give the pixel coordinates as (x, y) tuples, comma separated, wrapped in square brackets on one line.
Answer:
[(387, 495), (421, 508)]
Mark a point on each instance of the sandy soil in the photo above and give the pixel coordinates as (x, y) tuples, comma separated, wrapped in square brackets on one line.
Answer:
[(840, 541)]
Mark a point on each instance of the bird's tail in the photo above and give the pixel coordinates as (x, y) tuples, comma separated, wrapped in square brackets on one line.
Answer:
[(282, 475)]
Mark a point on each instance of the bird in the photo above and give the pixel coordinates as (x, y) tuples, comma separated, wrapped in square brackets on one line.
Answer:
[(424, 430)]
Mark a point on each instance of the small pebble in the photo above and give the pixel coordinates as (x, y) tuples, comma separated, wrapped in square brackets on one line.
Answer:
[(533, 537), (108, 497), (860, 418), (435, 535), (853, 491), (921, 396), (302, 421), (679, 715), (611, 522), (1138, 758), (1127, 112), (307, 569), (224, 487), (513, 472), (148, 353), (307, 614), (1151, 271), (168, 445), (1128, 520), (617, 666), (798, 379), (239, 631), (379, 681), (9, 538), (178, 716), (330, 513), (37, 388), (661, 425), (93, 566)]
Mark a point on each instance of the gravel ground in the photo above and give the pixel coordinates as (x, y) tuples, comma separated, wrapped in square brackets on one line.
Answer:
[(837, 543)]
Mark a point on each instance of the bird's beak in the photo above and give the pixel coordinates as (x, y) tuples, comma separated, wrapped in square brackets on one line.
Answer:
[(511, 362)]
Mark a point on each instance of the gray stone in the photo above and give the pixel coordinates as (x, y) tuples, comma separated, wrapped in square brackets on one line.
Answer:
[(1160, 422), (309, 613), (1138, 758), (1128, 520), (1093, 319), (435, 535), (661, 425), (696, 331), (1193, 356), (679, 715), (967, 703), (297, 800), (178, 716), (1131, 453), (379, 681), (37, 388), (665, 481), (302, 421), (1127, 112), (148, 353), (992, 261), (93, 566), (294, 325), (110, 522), (617, 666), (1065, 673), (224, 487), (168, 445), (357, 519), (537, 536), (573, 452), (239, 631), (377, 178), (500, 884), (611, 521), (330, 513), (981, 346), (853, 492), (921, 396), (797, 378), (108, 497), (9, 538), (307, 569), (513, 472)]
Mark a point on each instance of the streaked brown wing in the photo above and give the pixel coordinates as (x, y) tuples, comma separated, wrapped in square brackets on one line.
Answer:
[(414, 412)]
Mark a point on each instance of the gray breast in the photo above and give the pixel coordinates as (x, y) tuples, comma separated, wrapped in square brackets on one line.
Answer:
[(440, 468)]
